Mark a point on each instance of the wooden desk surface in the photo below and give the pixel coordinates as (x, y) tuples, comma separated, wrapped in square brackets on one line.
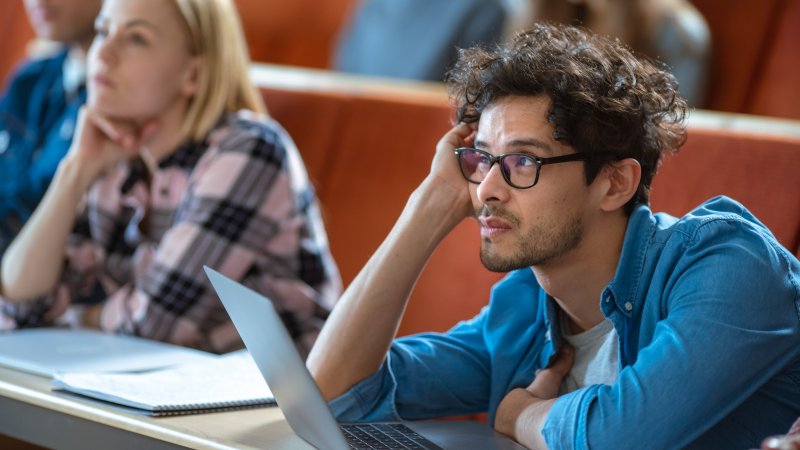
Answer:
[(30, 411)]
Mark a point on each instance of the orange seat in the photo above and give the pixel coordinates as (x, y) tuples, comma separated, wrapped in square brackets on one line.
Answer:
[(776, 91), (300, 33), (17, 33), (755, 62), (384, 153), (760, 170)]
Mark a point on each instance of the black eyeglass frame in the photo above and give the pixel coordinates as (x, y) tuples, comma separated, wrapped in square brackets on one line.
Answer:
[(506, 176)]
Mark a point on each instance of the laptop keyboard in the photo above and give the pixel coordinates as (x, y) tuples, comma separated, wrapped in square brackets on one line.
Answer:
[(385, 436)]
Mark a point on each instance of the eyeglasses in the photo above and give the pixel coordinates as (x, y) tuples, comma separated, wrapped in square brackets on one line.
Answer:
[(520, 170)]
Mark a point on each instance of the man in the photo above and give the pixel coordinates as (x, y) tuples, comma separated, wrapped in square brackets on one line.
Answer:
[(39, 108), (684, 332)]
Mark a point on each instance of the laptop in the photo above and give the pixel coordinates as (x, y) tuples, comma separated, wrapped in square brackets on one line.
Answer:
[(301, 402), (47, 351)]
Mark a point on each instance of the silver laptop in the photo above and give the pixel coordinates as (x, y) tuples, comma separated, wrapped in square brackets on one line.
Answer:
[(47, 351), (301, 402)]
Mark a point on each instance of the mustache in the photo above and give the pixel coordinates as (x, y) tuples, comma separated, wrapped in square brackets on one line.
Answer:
[(500, 213)]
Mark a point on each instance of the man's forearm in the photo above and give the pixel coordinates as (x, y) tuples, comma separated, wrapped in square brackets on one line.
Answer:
[(365, 321), (530, 422), (521, 417)]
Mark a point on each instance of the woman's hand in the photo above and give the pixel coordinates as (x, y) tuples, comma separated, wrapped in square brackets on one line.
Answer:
[(101, 142)]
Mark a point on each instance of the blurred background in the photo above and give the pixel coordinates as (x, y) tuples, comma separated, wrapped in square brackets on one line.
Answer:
[(751, 66)]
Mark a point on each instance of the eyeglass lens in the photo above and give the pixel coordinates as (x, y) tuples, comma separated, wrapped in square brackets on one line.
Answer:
[(519, 170)]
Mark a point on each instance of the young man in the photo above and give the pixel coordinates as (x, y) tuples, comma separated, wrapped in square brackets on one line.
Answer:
[(39, 108), (616, 328)]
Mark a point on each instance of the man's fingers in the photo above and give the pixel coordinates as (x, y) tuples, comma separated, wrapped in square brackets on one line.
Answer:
[(457, 136), (548, 381), (564, 361)]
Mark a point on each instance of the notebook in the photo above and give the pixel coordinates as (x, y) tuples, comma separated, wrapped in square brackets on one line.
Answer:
[(229, 382), (298, 397), (47, 351)]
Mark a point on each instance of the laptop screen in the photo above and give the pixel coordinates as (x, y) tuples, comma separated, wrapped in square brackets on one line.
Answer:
[(276, 356)]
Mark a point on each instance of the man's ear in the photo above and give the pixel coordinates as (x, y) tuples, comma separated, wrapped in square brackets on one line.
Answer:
[(622, 180), (191, 82)]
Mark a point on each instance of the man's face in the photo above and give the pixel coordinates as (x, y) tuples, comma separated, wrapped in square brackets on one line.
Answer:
[(527, 227), (69, 21)]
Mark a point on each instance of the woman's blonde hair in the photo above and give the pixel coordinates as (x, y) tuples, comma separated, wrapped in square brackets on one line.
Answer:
[(217, 39)]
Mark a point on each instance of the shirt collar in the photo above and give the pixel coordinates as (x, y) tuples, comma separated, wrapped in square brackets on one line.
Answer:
[(74, 71), (625, 284)]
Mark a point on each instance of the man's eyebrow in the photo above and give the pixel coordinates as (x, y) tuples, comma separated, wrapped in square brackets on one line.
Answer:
[(525, 142)]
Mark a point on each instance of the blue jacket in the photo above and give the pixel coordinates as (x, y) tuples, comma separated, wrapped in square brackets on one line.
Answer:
[(707, 310), (37, 120)]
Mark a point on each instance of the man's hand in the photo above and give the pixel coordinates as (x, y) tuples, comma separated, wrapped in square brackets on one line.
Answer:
[(364, 322), (522, 412), (548, 381), (445, 176)]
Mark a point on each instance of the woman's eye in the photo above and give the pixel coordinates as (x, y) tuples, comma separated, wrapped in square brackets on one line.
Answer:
[(138, 39)]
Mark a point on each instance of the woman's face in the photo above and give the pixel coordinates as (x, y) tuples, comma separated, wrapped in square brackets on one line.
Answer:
[(140, 66)]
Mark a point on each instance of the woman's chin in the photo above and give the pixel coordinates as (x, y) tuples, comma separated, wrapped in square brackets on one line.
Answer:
[(113, 112)]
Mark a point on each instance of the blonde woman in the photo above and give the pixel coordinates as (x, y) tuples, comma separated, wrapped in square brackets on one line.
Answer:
[(175, 165)]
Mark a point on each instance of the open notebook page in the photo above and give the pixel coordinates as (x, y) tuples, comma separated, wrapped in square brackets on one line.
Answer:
[(230, 381)]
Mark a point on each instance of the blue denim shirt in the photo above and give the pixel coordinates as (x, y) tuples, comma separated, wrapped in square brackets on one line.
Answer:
[(707, 309), (37, 120)]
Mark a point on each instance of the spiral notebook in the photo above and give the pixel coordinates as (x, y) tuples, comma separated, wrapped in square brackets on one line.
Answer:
[(229, 382)]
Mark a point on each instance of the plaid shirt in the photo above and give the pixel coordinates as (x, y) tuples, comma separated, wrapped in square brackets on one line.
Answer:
[(239, 202)]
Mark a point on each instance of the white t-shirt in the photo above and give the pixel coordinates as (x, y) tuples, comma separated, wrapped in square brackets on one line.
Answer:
[(596, 356)]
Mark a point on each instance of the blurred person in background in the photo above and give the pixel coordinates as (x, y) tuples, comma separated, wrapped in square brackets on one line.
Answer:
[(672, 31), (415, 39), (174, 166), (39, 107)]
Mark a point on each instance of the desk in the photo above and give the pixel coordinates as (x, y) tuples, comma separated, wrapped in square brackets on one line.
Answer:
[(29, 411)]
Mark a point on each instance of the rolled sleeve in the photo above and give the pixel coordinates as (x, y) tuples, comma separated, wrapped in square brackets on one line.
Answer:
[(566, 426), (425, 376), (370, 400)]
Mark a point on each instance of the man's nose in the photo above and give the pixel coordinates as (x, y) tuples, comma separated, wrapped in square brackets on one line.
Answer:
[(494, 186)]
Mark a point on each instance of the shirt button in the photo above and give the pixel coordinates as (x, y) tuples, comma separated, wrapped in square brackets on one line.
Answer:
[(628, 306), (4, 140)]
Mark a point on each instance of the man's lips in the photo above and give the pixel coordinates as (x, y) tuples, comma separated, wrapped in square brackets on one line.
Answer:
[(491, 226)]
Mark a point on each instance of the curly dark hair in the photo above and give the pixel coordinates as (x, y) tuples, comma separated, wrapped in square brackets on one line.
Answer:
[(606, 102)]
